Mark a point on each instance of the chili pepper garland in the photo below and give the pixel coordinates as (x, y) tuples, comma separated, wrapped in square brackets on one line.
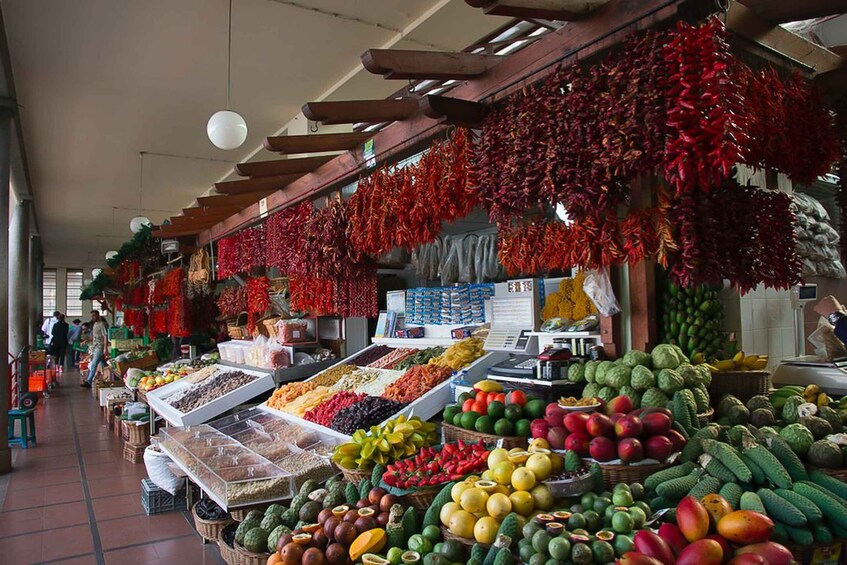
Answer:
[(258, 300), (232, 301), (284, 238), (241, 252)]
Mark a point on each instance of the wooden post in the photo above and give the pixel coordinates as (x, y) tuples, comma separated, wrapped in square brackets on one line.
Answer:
[(5, 156), (642, 283), (610, 326)]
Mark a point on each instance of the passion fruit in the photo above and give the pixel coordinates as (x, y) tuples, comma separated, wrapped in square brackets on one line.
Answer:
[(561, 515), (382, 519), (605, 535), (313, 556), (336, 554), (363, 503), (577, 538), (350, 516), (329, 527), (487, 486), (311, 528), (376, 494), (302, 539), (374, 559), (365, 523), (387, 501), (545, 518), (345, 534), (320, 539), (366, 511), (555, 528), (410, 557), (323, 515), (283, 541), (340, 510), (291, 554)]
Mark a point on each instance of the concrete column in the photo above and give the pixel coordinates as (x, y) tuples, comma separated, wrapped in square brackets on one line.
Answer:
[(5, 150), (19, 287), (34, 286)]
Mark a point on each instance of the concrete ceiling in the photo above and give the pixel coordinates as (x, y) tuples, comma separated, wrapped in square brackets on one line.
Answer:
[(99, 81)]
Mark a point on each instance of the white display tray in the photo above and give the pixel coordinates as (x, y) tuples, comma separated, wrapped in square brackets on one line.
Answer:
[(424, 407), (104, 392), (204, 413)]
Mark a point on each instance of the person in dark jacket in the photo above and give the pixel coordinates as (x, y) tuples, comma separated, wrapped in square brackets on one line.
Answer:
[(59, 342), (830, 308)]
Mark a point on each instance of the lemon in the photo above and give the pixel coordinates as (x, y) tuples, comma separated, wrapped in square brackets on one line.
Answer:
[(496, 456), (518, 456), (523, 479), (462, 524), (448, 510), (498, 506), (503, 472), (458, 489), (522, 502), (542, 497), (473, 500), (485, 530), (540, 465)]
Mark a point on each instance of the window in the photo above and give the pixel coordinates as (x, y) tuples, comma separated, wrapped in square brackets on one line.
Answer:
[(48, 295), (73, 288)]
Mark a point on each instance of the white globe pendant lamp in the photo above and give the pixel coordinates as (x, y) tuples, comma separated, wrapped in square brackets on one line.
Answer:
[(226, 129), (139, 222), (110, 254), (96, 272)]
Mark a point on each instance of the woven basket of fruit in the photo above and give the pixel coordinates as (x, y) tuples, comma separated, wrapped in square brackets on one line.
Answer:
[(249, 558), (354, 476), (239, 514), (743, 385), (225, 541), (454, 433), (422, 499), (614, 474), (209, 530), (706, 417)]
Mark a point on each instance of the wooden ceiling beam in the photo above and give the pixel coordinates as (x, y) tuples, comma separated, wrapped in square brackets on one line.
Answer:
[(315, 143), (225, 200), (405, 64), (171, 231), (782, 11), (263, 184), (746, 23), (453, 111), (204, 212), (356, 111), (562, 10), (261, 169)]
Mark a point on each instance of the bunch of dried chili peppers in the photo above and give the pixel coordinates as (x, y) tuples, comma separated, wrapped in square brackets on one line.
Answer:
[(284, 236), (241, 252), (258, 300), (232, 301)]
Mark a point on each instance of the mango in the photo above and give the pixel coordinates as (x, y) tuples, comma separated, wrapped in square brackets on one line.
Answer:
[(692, 519), (701, 552), (651, 545), (774, 553), (717, 507), (745, 527), (637, 558), (748, 559), (673, 537), (727, 549)]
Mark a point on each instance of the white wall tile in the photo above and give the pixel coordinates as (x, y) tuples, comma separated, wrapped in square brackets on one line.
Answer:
[(760, 341), (746, 315), (788, 338), (746, 339)]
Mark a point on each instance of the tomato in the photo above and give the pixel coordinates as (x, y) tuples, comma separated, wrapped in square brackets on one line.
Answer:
[(501, 397), (467, 406), (482, 395), (516, 397), (480, 407)]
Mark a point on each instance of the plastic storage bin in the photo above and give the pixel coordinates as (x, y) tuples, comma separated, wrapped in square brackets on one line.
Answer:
[(156, 501)]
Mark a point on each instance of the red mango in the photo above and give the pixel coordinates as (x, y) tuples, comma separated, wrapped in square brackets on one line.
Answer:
[(749, 559), (701, 552), (673, 537), (776, 554), (636, 558), (692, 519), (727, 549), (745, 526), (650, 544)]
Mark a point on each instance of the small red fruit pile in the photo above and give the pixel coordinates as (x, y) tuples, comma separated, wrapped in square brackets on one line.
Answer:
[(619, 433), (708, 532), (432, 467)]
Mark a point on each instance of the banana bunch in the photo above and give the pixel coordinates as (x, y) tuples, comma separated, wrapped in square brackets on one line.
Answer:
[(814, 394), (741, 362), (782, 394)]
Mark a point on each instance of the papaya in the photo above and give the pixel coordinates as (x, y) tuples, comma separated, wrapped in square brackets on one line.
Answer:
[(371, 541)]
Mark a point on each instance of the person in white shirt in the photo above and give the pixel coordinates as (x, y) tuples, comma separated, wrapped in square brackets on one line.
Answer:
[(99, 340), (47, 327)]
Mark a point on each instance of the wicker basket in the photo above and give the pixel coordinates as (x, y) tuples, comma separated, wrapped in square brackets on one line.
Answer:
[(454, 433), (354, 475), (706, 416), (270, 326), (743, 385), (422, 499), (134, 453), (840, 474), (238, 514), (279, 285), (228, 552), (135, 435), (615, 474), (209, 530), (237, 329), (464, 541), (249, 558)]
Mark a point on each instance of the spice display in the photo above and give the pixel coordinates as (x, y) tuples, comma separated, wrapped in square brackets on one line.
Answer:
[(203, 374), (355, 379), (292, 330), (392, 358), (258, 300), (305, 402), (332, 375), (420, 358), (378, 385), (288, 392), (570, 302), (370, 411), (416, 382), (406, 207), (370, 355), (279, 358), (460, 354), (324, 413), (356, 297), (209, 390)]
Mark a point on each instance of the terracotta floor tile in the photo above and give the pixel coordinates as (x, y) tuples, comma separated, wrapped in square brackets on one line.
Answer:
[(33, 462), (141, 555), (184, 551), (20, 480), (67, 542), (129, 484), (89, 559), (122, 506), (142, 529), (106, 470), (111, 456), (43, 518)]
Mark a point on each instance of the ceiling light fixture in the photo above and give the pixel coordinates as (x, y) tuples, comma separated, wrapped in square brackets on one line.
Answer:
[(138, 222), (110, 254), (96, 272), (227, 129)]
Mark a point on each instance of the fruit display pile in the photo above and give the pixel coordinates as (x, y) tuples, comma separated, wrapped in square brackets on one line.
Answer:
[(619, 434), (432, 467), (692, 318), (649, 379), (489, 410), (389, 442)]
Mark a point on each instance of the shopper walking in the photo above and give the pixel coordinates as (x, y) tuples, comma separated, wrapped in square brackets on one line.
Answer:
[(99, 338), (59, 343), (74, 335), (47, 328)]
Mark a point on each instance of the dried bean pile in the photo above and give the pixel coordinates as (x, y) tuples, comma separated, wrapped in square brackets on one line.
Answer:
[(362, 415), (392, 358), (211, 389), (325, 412)]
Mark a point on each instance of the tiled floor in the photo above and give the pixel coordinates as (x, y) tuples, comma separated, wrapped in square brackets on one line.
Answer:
[(73, 499)]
